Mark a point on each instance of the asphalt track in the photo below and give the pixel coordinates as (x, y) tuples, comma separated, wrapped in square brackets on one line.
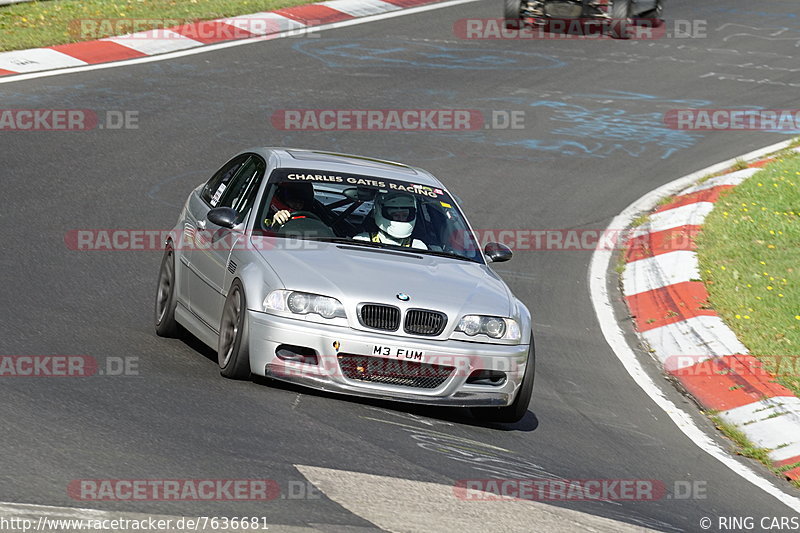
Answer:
[(592, 144)]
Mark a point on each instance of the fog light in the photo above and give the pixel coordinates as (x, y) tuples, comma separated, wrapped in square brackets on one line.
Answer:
[(296, 354), (492, 378)]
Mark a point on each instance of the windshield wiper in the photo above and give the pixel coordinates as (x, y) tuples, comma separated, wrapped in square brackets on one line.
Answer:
[(446, 254), (357, 242)]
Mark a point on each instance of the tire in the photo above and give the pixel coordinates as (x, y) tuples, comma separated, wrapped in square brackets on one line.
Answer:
[(512, 12), (655, 14), (516, 411), (233, 353), (621, 18), (166, 325)]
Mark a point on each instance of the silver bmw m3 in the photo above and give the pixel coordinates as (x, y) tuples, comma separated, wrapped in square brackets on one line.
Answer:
[(347, 274)]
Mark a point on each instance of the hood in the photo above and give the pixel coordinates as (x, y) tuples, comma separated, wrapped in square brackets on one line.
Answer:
[(355, 274)]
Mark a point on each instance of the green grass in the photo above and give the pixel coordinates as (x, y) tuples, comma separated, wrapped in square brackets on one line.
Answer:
[(748, 253), (621, 261), (640, 220), (619, 267), (39, 24), (664, 201), (740, 164), (707, 177), (745, 448)]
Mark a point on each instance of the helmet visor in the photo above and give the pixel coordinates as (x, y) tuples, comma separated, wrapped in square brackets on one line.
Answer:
[(399, 214)]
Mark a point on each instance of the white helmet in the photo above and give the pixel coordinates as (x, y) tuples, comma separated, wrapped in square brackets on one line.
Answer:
[(395, 213)]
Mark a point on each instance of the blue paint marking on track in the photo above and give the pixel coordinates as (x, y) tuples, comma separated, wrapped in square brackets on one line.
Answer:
[(340, 53), (606, 130), (600, 124), (595, 125)]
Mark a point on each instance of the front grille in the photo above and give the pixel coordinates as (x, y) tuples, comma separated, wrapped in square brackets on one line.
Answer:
[(383, 317), (424, 322), (393, 371)]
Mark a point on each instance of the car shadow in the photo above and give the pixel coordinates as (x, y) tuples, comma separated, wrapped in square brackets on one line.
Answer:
[(456, 415), (197, 345)]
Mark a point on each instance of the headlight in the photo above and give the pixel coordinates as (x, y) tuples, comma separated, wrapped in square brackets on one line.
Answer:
[(491, 326), (299, 303), (303, 303), (470, 325)]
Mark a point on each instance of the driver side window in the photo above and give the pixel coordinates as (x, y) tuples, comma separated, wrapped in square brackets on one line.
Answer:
[(219, 182), (241, 193)]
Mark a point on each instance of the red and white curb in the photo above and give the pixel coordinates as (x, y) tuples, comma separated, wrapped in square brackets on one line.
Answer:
[(668, 302), (161, 41)]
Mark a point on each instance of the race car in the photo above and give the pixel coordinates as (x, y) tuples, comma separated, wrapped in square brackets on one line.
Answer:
[(347, 274), (618, 14)]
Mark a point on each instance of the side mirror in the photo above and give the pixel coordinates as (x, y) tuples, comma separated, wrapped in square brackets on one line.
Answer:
[(223, 216), (497, 253)]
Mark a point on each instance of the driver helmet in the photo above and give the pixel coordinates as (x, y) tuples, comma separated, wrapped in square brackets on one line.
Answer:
[(395, 214), (296, 195)]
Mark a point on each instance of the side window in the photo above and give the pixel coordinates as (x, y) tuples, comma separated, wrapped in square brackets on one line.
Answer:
[(215, 188), (241, 193)]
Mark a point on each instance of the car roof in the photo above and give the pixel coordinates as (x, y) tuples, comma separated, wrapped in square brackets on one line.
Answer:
[(347, 163)]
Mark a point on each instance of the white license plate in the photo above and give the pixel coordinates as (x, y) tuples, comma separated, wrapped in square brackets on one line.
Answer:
[(396, 351)]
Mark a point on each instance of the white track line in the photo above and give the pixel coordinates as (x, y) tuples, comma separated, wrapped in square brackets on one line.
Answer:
[(438, 507), (231, 44), (598, 288)]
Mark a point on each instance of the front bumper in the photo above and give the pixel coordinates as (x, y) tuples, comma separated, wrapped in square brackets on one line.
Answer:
[(268, 332)]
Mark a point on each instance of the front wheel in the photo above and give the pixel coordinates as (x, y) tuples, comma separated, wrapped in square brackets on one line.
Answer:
[(233, 353), (512, 12), (514, 412), (621, 18)]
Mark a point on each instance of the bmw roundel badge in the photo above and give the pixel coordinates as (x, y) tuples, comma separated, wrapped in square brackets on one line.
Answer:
[(403, 297)]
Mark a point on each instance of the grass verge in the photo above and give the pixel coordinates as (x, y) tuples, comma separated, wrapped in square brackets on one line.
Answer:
[(37, 24), (748, 252), (745, 448)]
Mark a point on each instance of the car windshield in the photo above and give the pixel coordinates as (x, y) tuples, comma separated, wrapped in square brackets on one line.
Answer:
[(364, 211)]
